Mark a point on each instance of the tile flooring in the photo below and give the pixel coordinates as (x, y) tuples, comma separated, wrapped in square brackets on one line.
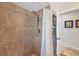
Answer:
[(69, 52)]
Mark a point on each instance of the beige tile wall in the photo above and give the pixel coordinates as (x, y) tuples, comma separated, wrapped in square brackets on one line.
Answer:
[(18, 31)]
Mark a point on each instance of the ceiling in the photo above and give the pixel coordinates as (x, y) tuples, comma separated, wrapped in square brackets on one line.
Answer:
[(31, 6), (35, 6)]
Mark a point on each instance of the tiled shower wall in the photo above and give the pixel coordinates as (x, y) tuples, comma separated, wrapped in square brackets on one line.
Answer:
[(18, 31)]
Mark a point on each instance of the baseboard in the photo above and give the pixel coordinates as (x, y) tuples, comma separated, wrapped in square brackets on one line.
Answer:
[(71, 47)]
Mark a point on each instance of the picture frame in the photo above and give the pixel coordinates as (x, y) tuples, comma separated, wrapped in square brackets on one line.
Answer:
[(77, 23), (69, 24), (54, 20)]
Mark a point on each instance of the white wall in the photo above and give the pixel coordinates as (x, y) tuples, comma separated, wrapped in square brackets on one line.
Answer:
[(69, 36), (62, 7)]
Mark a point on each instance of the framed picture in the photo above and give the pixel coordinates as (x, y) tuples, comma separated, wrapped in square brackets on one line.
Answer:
[(54, 20), (69, 24), (77, 23)]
